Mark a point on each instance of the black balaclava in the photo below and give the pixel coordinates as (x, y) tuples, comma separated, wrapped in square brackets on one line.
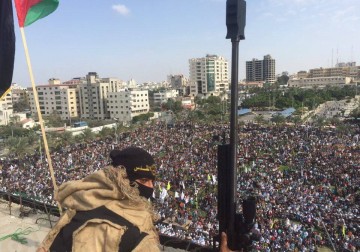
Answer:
[(138, 164)]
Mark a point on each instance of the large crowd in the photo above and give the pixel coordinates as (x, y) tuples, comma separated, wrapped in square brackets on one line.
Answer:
[(306, 180)]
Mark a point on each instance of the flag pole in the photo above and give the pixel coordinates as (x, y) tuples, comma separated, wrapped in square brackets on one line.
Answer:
[(39, 115)]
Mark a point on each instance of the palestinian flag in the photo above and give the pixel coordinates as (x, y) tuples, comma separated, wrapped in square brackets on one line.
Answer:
[(28, 11), (7, 45)]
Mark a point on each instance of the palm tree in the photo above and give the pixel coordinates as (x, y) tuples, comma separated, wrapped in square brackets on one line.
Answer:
[(259, 119), (278, 119), (18, 146), (105, 132), (88, 135), (66, 138)]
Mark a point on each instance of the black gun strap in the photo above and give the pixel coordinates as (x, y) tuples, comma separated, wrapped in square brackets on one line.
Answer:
[(130, 239)]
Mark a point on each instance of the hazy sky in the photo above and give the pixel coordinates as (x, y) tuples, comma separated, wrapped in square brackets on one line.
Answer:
[(149, 39)]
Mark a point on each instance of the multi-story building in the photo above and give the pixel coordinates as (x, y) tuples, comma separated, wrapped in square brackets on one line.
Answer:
[(55, 98), (261, 70), (115, 84), (344, 70), (208, 75), (93, 97), (164, 96), (18, 93), (180, 83), (125, 104), (302, 74), (319, 82), (6, 108)]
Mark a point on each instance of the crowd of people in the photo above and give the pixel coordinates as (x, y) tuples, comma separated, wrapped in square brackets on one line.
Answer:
[(305, 179)]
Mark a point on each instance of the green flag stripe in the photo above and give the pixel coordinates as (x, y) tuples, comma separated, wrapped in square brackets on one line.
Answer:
[(40, 10)]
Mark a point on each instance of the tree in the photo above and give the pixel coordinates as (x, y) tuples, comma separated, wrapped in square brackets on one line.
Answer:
[(18, 146), (259, 119), (88, 135), (142, 117), (13, 131), (21, 105), (283, 80), (14, 120), (54, 120), (66, 138), (278, 119), (105, 132), (172, 105)]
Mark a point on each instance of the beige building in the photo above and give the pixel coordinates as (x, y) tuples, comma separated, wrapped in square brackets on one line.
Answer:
[(208, 75), (126, 104), (319, 82), (18, 93), (55, 98), (302, 74), (346, 71)]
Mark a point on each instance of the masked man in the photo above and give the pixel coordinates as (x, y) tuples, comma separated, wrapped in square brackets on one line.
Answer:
[(108, 210)]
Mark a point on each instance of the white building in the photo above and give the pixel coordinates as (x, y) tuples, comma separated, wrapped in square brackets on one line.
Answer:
[(208, 75), (28, 123), (188, 102), (115, 84), (6, 108), (319, 82), (55, 98), (164, 96), (126, 104), (18, 93)]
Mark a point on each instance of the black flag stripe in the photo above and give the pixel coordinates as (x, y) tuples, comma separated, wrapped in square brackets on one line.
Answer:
[(7, 45)]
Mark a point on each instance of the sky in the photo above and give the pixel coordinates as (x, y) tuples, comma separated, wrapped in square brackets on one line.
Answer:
[(147, 40)]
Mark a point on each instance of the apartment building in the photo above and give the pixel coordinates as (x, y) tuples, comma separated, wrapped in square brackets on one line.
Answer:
[(18, 93), (55, 98), (261, 70), (208, 75), (351, 71), (319, 82), (164, 96), (127, 103), (6, 108)]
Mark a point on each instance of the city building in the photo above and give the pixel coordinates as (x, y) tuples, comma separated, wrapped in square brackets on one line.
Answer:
[(164, 96), (261, 70), (188, 102), (93, 97), (319, 82), (6, 108), (340, 70), (55, 98), (128, 103), (208, 75), (18, 93), (180, 83), (302, 74)]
